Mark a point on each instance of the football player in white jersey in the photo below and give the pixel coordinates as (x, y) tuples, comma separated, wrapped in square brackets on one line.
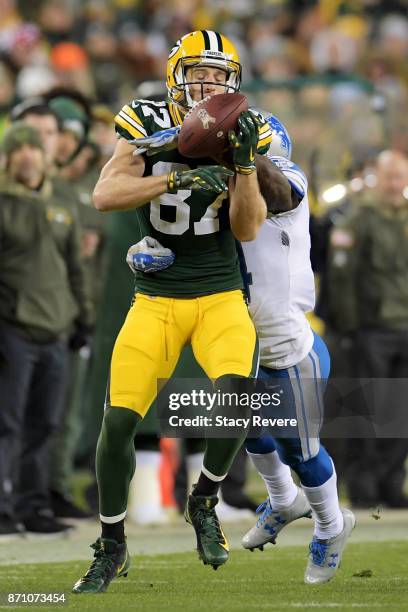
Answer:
[(280, 286), (281, 291)]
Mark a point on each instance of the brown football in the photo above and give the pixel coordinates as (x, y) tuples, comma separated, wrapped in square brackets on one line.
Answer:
[(204, 132)]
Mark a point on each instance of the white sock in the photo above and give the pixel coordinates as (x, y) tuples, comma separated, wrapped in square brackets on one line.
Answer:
[(145, 494), (277, 478), (194, 464), (324, 502)]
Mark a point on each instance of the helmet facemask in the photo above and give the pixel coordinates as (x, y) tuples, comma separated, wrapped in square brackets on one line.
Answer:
[(180, 92)]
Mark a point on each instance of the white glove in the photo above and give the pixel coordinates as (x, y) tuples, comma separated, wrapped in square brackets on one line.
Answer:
[(148, 255), (164, 140)]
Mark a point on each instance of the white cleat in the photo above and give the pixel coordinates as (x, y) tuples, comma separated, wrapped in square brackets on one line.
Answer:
[(271, 522), (325, 555)]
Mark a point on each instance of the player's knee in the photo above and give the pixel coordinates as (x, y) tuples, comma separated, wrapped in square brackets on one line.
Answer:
[(120, 424), (315, 471), (260, 446), (295, 452), (231, 391)]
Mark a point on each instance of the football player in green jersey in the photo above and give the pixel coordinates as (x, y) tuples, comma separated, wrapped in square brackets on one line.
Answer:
[(195, 210)]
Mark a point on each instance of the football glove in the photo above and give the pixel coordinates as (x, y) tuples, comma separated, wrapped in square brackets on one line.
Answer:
[(164, 140), (209, 178), (244, 143), (148, 255)]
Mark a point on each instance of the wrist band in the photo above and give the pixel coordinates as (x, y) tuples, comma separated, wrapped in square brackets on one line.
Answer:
[(245, 169), (171, 182)]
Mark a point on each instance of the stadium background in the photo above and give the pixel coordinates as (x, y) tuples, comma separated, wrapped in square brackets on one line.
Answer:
[(335, 72)]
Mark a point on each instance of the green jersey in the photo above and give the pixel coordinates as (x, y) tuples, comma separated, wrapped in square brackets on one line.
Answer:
[(193, 224)]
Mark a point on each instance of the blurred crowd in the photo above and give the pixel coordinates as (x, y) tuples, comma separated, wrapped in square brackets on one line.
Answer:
[(338, 68), (335, 72)]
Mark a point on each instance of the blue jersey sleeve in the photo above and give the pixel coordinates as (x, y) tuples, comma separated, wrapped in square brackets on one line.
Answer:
[(293, 173)]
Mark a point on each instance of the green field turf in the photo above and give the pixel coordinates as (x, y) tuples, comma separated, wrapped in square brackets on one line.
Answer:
[(271, 580)]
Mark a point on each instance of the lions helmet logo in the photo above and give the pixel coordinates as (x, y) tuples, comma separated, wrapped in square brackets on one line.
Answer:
[(281, 143)]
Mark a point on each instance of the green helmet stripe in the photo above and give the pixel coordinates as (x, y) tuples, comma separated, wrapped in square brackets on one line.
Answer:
[(219, 41), (207, 44)]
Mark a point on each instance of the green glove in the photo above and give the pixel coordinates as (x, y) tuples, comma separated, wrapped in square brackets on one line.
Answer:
[(244, 144), (209, 178)]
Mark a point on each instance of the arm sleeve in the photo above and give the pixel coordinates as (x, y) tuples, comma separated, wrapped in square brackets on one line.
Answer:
[(296, 176)]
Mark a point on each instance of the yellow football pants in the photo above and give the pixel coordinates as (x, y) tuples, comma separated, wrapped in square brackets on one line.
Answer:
[(156, 329)]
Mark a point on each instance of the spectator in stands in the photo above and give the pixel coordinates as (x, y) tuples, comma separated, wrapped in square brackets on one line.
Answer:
[(40, 115), (73, 111), (368, 287), (42, 293)]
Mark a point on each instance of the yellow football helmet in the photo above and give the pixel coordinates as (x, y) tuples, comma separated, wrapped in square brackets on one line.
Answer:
[(205, 48)]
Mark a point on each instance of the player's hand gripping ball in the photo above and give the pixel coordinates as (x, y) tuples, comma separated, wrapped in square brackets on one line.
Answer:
[(244, 142)]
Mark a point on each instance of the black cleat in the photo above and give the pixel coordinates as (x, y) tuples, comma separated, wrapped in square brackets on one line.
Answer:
[(212, 544), (111, 561)]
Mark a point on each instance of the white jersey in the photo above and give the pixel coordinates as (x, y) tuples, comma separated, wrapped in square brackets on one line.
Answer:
[(280, 279)]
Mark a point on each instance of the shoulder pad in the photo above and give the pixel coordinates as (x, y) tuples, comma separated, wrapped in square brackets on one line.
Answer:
[(143, 118), (129, 121)]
